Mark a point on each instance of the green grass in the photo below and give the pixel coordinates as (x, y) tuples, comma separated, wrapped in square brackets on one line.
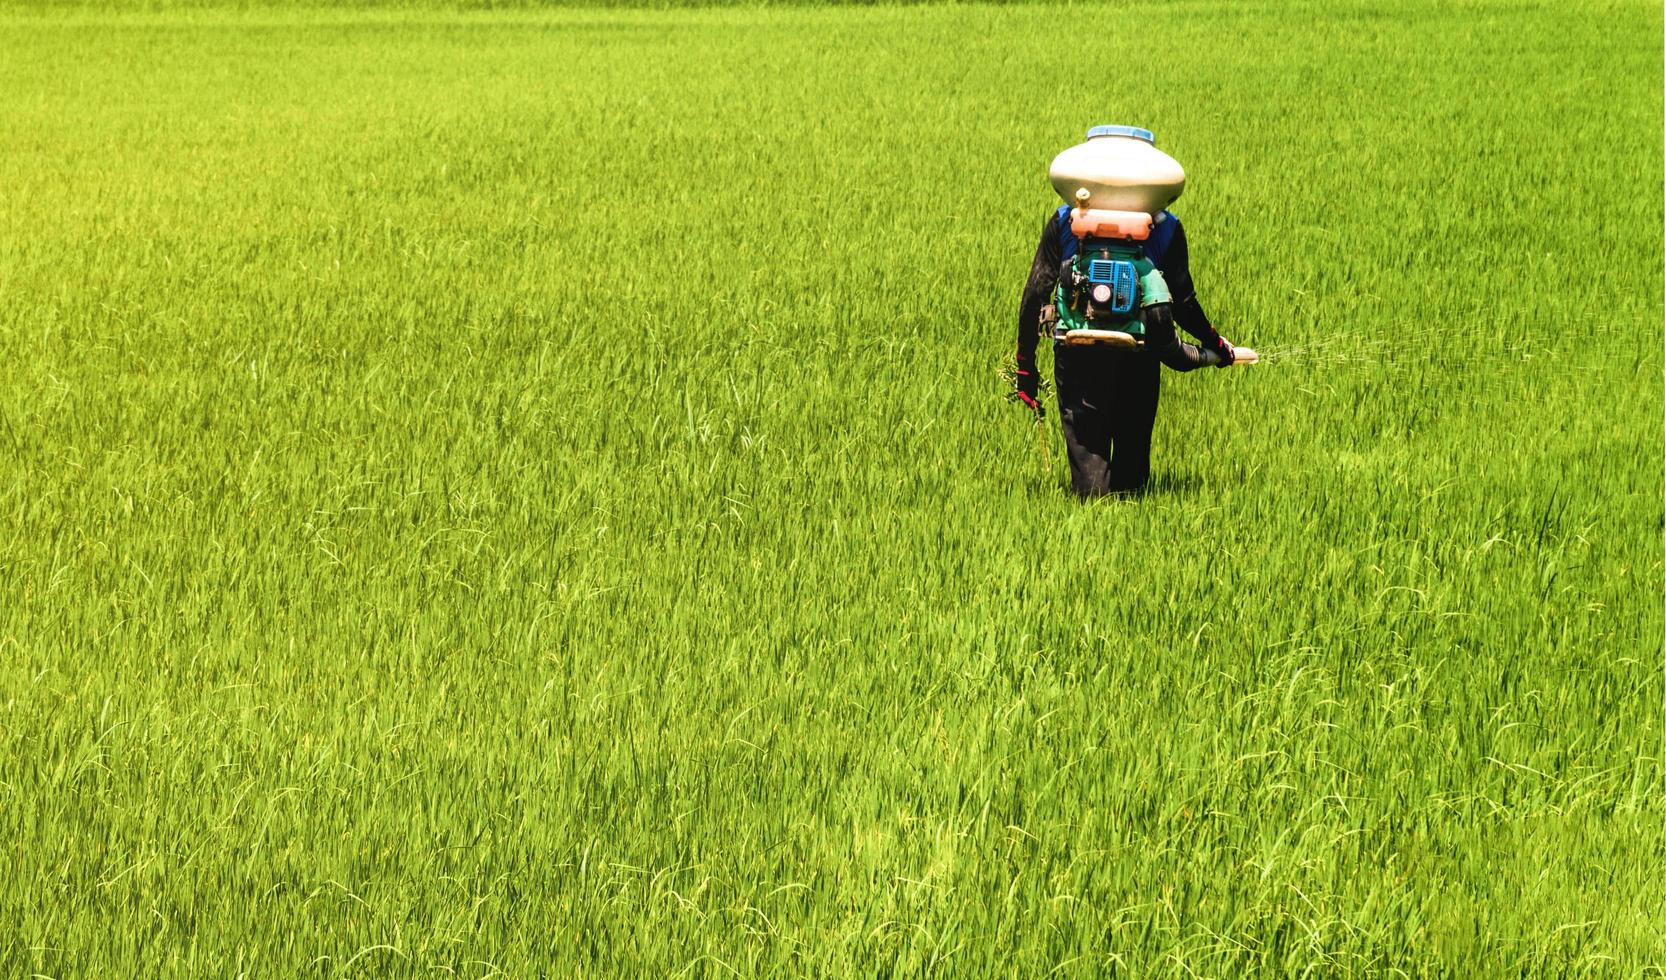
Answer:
[(531, 493)]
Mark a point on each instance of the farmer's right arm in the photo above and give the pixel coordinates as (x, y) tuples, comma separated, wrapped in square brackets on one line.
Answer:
[(1038, 289), (1188, 312)]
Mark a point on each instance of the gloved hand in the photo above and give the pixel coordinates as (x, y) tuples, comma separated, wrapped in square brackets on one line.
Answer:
[(1026, 382), (1225, 351)]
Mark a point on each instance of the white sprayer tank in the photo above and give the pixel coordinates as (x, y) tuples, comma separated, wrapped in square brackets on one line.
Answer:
[(1121, 169)]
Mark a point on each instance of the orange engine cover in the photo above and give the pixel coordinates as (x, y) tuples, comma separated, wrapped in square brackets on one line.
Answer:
[(1098, 223)]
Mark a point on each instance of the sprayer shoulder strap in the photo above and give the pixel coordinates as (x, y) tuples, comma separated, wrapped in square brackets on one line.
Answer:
[(1067, 238), (1162, 233)]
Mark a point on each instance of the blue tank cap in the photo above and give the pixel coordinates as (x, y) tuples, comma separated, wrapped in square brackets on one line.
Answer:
[(1134, 131)]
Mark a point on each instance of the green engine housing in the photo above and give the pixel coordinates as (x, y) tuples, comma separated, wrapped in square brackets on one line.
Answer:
[(1107, 285)]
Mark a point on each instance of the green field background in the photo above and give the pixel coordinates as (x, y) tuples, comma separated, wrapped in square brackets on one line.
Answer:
[(531, 493)]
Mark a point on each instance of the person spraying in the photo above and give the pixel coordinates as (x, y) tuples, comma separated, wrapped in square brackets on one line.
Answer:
[(1110, 281)]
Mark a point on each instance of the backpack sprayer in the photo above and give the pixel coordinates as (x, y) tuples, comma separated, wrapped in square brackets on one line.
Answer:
[(1116, 186)]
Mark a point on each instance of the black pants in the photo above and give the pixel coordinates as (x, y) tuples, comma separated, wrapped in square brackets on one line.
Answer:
[(1108, 406)]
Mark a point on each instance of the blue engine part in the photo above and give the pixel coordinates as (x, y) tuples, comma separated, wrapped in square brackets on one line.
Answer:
[(1123, 279), (1105, 285)]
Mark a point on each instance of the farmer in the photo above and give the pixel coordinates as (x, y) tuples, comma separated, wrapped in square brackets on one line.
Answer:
[(1108, 395)]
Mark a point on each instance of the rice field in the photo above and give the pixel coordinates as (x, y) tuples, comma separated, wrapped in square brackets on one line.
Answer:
[(531, 492)]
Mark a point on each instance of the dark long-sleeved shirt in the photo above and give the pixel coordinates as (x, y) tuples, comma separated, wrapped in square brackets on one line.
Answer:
[(1044, 275)]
